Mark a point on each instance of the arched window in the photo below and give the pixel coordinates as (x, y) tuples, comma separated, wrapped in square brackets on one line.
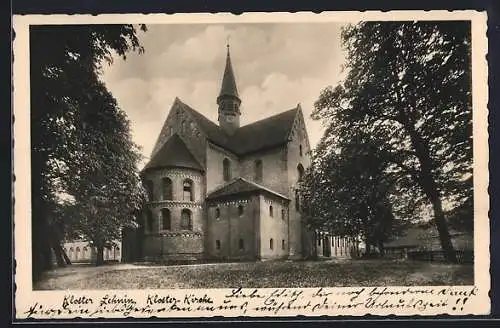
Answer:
[(149, 220), (77, 253), (258, 170), (188, 193), (240, 210), (186, 222), (241, 244), (117, 251), (217, 213), (283, 214), (165, 219), (226, 169), (148, 185), (297, 200), (271, 243), (271, 214), (300, 150), (84, 252), (167, 188), (282, 244), (70, 255), (300, 172), (217, 244)]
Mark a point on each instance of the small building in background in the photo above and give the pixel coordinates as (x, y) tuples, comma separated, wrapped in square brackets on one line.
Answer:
[(337, 247), (80, 251), (423, 241)]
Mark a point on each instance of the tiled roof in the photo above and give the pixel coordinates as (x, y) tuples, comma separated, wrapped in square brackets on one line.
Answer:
[(239, 186), (174, 153), (211, 130), (267, 133)]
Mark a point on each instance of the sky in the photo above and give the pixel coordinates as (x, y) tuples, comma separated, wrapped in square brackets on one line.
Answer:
[(276, 66)]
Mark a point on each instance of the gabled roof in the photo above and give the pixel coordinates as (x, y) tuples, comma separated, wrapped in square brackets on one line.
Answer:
[(174, 153), (240, 186), (211, 130), (266, 133)]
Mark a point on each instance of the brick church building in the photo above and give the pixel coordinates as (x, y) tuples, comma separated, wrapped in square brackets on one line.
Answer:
[(224, 191)]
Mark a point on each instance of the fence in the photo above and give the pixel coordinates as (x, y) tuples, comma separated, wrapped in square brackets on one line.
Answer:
[(438, 256)]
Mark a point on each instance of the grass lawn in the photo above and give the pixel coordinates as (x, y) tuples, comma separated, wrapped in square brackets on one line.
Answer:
[(259, 275)]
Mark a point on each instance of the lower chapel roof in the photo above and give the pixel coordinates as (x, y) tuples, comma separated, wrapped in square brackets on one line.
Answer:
[(270, 132), (174, 153), (240, 186)]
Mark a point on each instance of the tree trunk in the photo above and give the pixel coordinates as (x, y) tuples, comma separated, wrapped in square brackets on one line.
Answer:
[(65, 256), (381, 248), (367, 248), (55, 243), (41, 250), (40, 230), (425, 179), (315, 248), (100, 256), (58, 251), (444, 234), (430, 188)]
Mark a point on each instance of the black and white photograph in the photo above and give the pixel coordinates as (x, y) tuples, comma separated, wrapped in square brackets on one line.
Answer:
[(244, 156)]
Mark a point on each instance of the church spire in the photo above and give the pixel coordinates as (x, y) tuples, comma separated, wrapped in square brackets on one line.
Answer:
[(228, 87), (228, 100)]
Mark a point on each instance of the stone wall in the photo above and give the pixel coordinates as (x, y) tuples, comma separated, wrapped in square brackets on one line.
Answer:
[(174, 245), (273, 169), (214, 171), (80, 251), (231, 235), (273, 230), (175, 242), (298, 152), (177, 176)]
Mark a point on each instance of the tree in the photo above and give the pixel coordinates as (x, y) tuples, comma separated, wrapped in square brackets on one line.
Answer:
[(347, 191), (409, 87), (65, 63), (105, 183)]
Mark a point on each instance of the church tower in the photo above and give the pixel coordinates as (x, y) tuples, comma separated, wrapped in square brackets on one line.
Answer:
[(228, 100)]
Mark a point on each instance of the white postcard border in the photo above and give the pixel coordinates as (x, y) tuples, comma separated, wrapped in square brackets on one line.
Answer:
[(477, 301)]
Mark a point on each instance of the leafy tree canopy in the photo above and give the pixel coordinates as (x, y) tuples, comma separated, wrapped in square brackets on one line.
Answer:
[(408, 88), (78, 133)]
